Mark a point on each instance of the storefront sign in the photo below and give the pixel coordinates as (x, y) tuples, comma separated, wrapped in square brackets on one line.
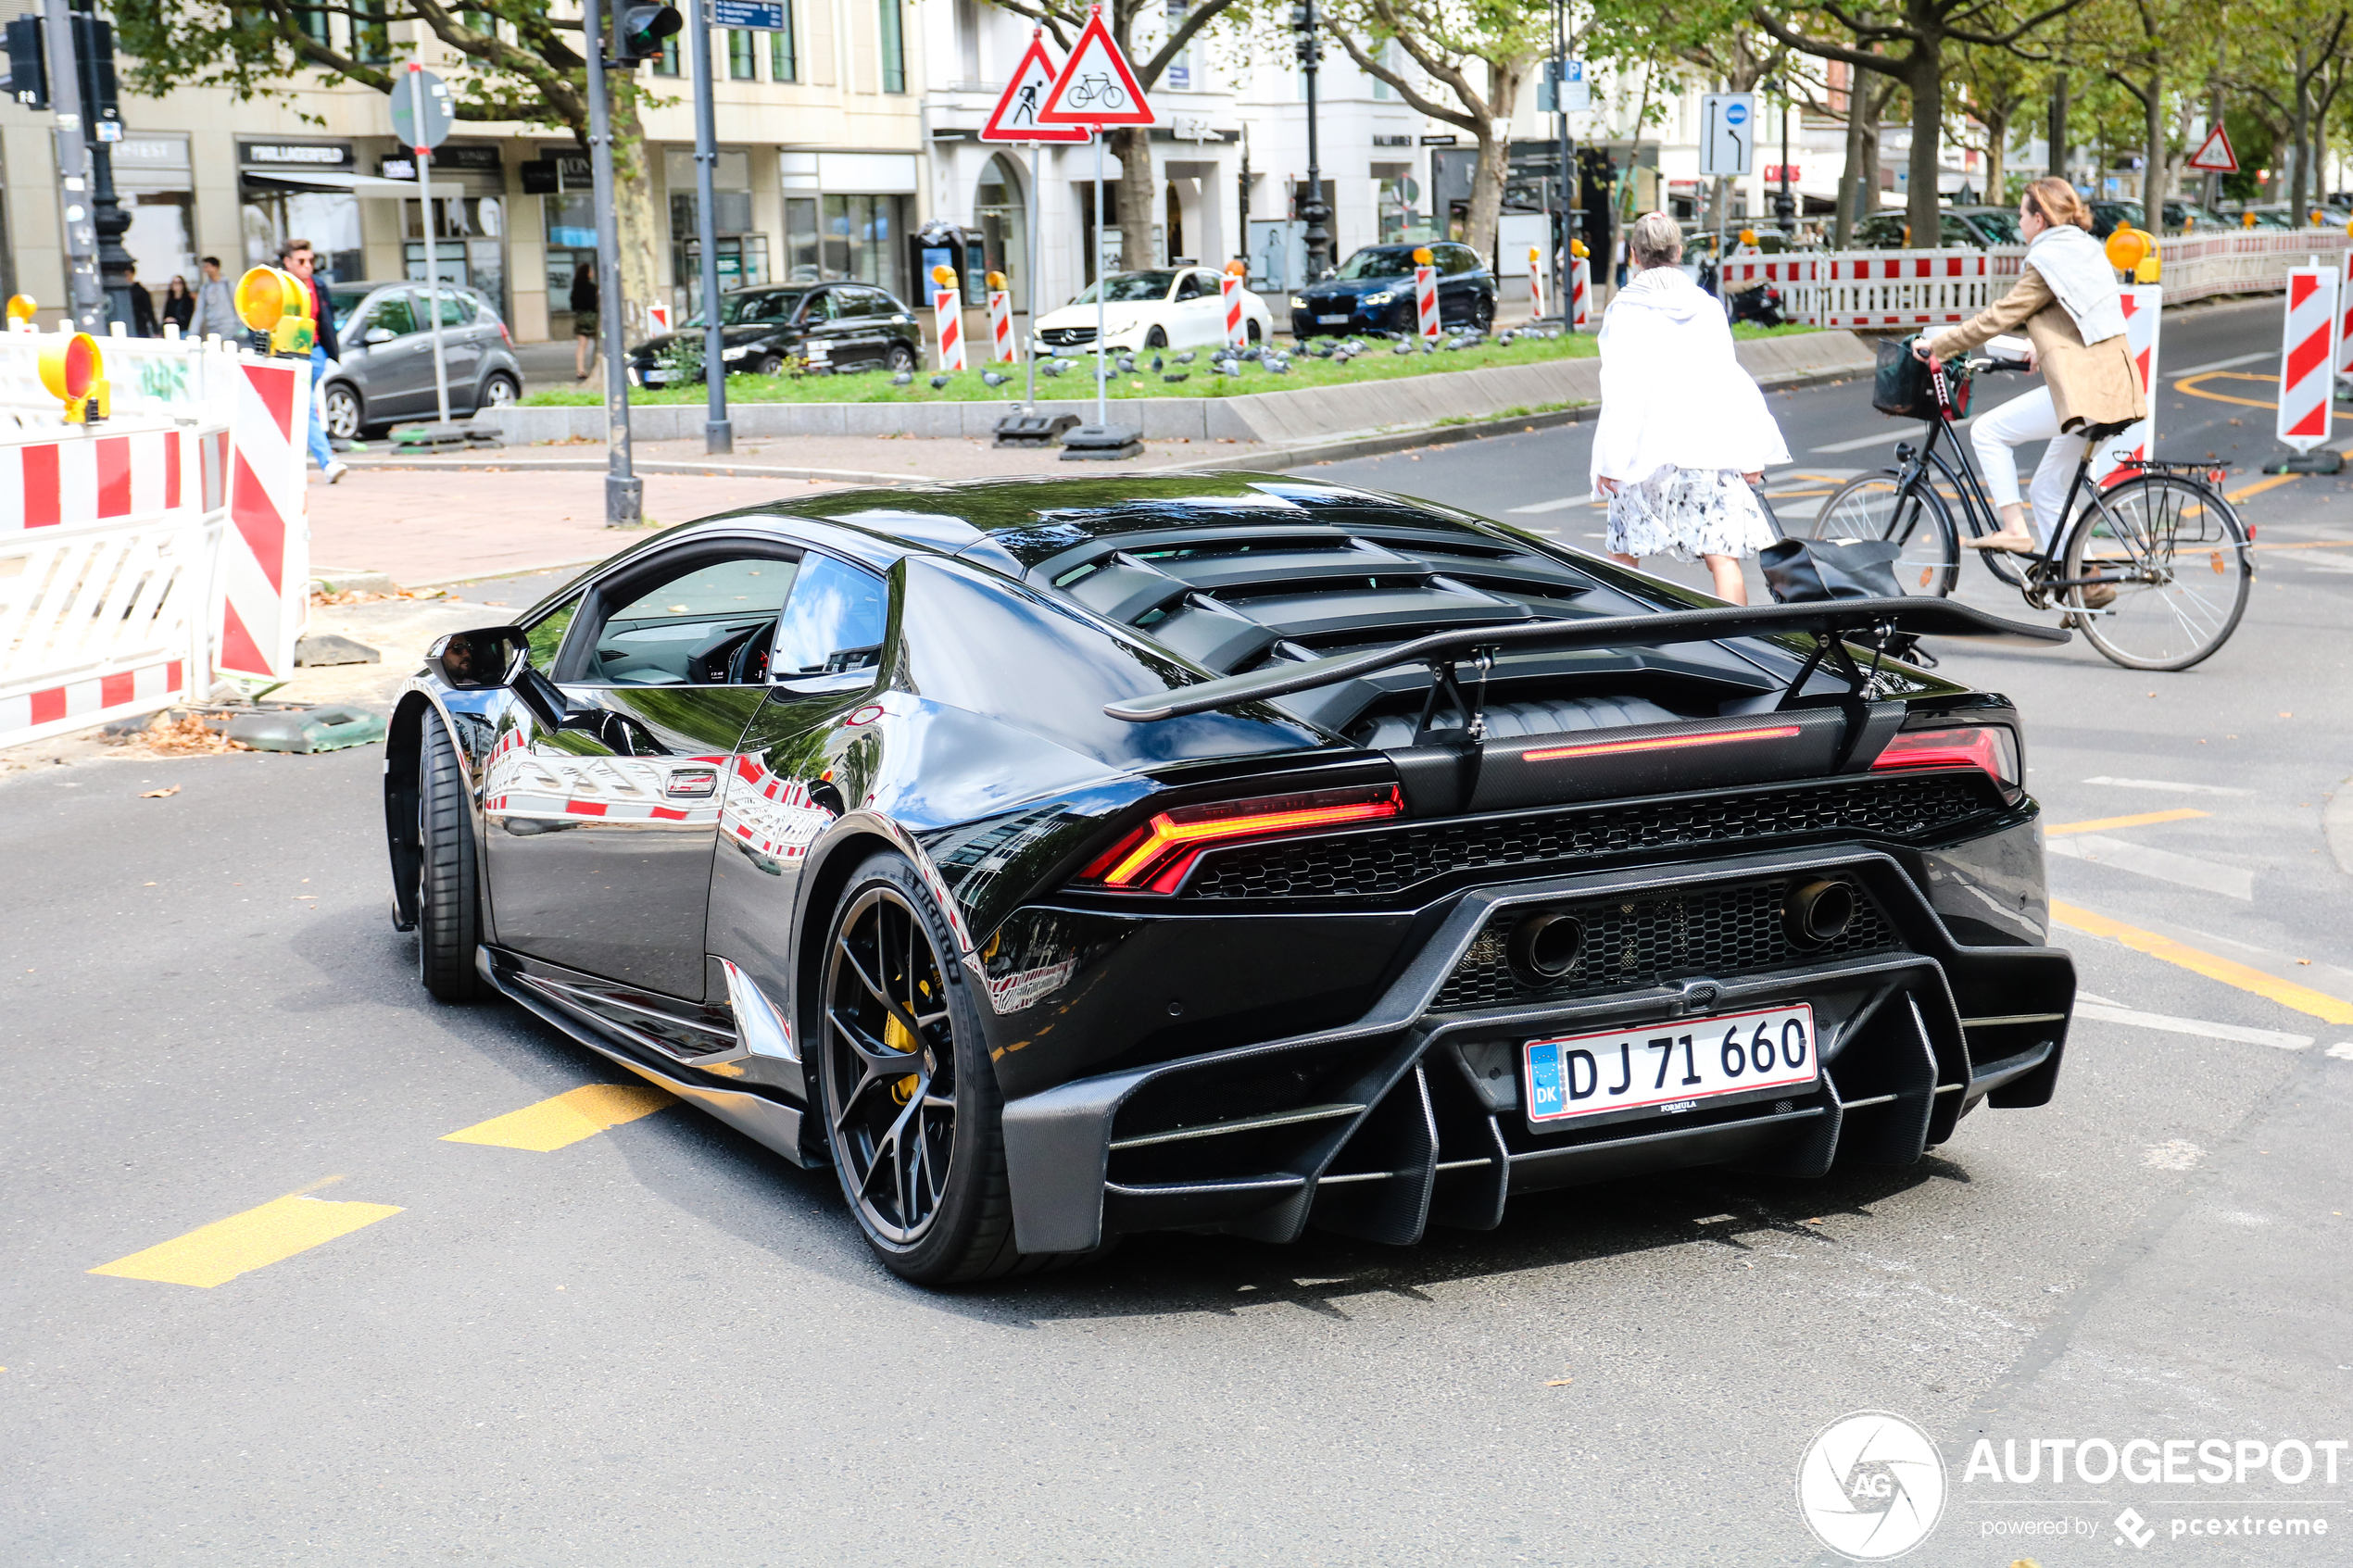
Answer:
[(1438, 140), (455, 159), (296, 154)]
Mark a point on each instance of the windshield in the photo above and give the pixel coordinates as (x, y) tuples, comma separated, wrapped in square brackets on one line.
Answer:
[(753, 305), (1131, 288), (342, 302), (2000, 227), (1378, 261)]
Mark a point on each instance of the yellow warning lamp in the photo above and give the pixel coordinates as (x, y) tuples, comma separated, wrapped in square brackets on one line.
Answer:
[(21, 308), (2247, 220), (995, 279), (75, 373), (1748, 236), (944, 276), (1421, 256), (2134, 251), (276, 304), (1577, 249), (2318, 217)]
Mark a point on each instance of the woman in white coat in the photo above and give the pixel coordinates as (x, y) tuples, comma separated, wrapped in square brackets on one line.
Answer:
[(1684, 433)]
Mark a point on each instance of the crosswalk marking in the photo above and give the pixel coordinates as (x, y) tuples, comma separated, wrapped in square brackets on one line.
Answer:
[(2169, 785), (1565, 501), (568, 1118), (215, 1254), (2100, 824), (2186, 871)]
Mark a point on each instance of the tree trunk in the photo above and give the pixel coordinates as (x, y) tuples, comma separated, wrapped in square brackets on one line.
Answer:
[(2057, 134), (639, 232), (1487, 191), (1856, 183), (2152, 157), (1998, 141), (1921, 210), (2297, 136), (1133, 199)]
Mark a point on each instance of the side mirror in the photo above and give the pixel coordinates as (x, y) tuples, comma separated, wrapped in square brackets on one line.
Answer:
[(379, 335), (477, 661)]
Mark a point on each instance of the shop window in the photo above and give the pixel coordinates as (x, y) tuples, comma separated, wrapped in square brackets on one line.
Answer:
[(742, 64), (802, 264), (784, 50), (1003, 220), (861, 240), (893, 42), (371, 37)]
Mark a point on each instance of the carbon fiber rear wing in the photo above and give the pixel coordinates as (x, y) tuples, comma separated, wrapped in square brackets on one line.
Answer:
[(1835, 621)]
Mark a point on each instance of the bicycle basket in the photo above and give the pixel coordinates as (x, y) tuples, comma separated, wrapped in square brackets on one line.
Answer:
[(1899, 385)]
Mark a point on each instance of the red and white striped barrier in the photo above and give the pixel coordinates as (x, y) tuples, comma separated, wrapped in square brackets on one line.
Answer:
[(263, 577), (2308, 357), (1535, 284), (1581, 293), (1425, 300), (2143, 312), (947, 323), (1230, 294), (1001, 326), (2344, 317), (1900, 288)]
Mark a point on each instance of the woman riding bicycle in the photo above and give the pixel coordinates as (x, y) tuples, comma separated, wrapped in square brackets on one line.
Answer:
[(2067, 298)]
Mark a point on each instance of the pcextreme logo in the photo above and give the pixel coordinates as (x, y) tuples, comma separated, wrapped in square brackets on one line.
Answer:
[(1871, 1486)]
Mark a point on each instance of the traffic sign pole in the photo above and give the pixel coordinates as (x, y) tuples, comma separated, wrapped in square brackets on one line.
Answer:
[(718, 433), (625, 492), (1015, 120), (423, 130)]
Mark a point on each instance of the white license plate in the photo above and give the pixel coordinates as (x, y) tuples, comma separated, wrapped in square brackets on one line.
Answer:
[(820, 352), (1668, 1067), (655, 378), (1331, 321)]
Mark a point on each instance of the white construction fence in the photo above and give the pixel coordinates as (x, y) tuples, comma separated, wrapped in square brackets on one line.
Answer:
[(146, 555)]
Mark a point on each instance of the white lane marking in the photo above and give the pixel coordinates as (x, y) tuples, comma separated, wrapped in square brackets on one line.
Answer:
[(1550, 506), (2175, 785), (2175, 1154), (2342, 1051), (2169, 374), (2187, 870), (1911, 433), (2107, 1012)]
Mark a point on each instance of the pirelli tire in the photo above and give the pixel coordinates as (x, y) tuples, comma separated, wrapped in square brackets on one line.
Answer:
[(448, 871)]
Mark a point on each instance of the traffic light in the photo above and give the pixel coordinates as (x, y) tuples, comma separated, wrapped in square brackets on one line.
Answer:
[(638, 29), (1306, 45), (28, 64)]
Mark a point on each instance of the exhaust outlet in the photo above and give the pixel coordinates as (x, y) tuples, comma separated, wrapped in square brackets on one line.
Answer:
[(1544, 945), (1817, 912)]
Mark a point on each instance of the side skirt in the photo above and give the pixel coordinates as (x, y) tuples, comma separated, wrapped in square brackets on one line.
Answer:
[(768, 1123)]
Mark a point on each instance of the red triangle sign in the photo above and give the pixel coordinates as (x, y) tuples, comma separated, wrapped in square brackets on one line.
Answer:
[(1016, 116), (2215, 156), (1096, 86)]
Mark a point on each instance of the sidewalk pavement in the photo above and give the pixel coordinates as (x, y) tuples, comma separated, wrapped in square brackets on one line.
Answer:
[(430, 522)]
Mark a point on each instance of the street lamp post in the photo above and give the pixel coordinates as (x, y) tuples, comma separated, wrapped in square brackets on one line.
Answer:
[(625, 492), (719, 432), (1318, 238), (1784, 207)]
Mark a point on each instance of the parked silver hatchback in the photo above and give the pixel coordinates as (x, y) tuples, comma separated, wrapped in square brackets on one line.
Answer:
[(385, 374)]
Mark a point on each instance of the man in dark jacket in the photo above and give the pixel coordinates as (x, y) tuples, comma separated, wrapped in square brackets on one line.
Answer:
[(142, 306), (297, 258)]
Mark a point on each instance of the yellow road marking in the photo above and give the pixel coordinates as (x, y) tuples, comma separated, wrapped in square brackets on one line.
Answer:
[(2244, 491), (2188, 386), (2230, 973), (218, 1252), (2101, 824), (570, 1117), (2308, 544)]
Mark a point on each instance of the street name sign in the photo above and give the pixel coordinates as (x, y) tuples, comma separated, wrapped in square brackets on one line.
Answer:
[(1016, 116), (760, 16)]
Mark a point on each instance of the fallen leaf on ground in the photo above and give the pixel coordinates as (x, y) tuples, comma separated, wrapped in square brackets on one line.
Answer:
[(1560, 1383), (1813, 1222), (158, 794)]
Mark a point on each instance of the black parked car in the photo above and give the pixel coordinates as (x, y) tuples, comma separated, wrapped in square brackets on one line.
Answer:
[(1228, 852), (1373, 291), (846, 326)]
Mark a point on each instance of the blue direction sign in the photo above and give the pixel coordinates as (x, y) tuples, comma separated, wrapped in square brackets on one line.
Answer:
[(765, 16)]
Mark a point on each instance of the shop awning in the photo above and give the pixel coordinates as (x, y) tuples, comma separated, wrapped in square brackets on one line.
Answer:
[(358, 184)]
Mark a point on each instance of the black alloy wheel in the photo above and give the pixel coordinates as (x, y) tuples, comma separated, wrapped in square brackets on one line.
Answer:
[(449, 907), (1250, 331), (911, 1107), (901, 358), (1483, 313), (1156, 338)]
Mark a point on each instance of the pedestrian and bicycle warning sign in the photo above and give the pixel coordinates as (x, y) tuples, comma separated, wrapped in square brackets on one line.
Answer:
[(1015, 117), (1096, 86), (2214, 155)]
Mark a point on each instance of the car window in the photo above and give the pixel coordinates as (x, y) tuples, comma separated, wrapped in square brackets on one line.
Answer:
[(1130, 288), (1188, 286), (675, 633), (1457, 259), (877, 303), (833, 623), (546, 634), (456, 309), (1999, 228), (1377, 261), (394, 314), (825, 307)]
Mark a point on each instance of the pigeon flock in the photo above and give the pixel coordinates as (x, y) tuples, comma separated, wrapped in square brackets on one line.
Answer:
[(1232, 363)]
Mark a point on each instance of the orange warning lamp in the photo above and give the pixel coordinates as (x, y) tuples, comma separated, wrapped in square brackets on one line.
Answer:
[(75, 373), (275, 303), (943, 276), (2134, 251), (2318, 217), (21, 308), (995, 279), (1235, 268), (1421, 256), (2247, 220), (1748, 236), (1577, 249)]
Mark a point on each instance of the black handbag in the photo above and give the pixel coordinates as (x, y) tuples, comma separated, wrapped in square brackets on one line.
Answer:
[(1903, 385), (1810, 570)]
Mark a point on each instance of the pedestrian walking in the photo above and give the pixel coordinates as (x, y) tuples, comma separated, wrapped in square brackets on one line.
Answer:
[(1684, 435), (216, 304), (2067, 298), (297, 258), (179, 305), (142, 305), (584, 319)]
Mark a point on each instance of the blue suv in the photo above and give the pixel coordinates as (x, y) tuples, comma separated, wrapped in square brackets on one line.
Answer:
[(1373, 291)]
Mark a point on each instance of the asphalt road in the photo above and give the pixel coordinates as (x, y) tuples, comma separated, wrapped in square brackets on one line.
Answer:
[(659, 1344)]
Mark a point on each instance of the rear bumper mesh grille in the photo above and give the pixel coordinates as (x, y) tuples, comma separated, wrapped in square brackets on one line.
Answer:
[(1717, 932), (1388, 860)]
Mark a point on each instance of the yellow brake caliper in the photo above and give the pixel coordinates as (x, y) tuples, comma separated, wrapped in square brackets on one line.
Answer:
[(899, 1038)]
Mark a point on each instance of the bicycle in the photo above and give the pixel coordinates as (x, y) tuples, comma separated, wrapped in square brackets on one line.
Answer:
[(1091, 89), (2150, 535)]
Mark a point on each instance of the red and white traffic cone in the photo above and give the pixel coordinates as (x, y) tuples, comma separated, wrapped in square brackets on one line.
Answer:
[(948, 317), (2308, 357), (1000, 319)]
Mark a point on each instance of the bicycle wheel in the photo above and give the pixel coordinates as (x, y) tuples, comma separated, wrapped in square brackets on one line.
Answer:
[(1877, 506), (2178, 559)]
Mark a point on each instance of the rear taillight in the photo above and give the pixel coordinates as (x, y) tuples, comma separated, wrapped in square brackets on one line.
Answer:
[(1990, 749), (1155, 856), (504, 336)]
